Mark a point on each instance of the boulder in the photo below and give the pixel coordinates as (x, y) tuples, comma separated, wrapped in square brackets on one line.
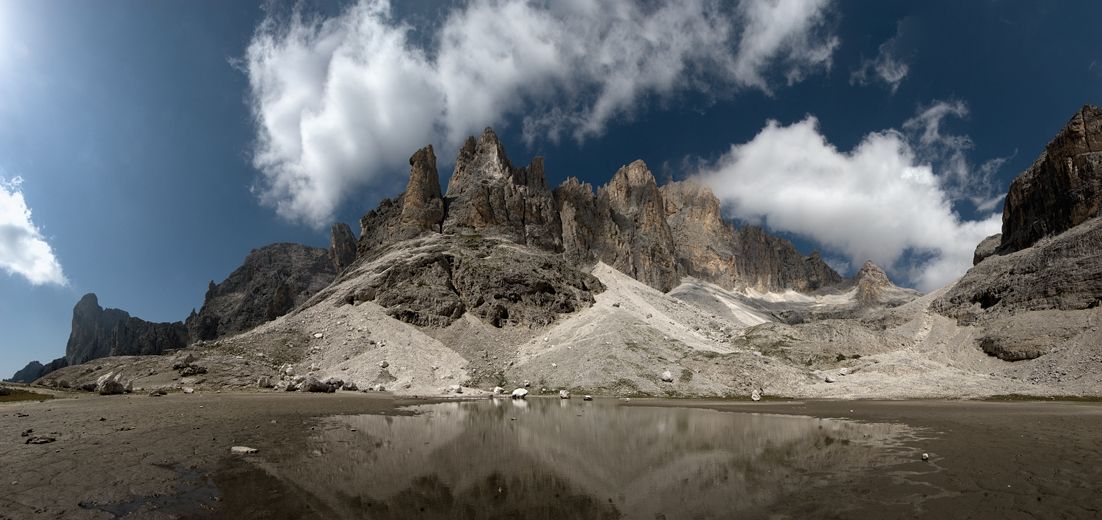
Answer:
[(587, 398), (264, 382), (667, 377), (350, 387), (243, 450), (987, 247), (564, 394), (110, 384), (519, 393)]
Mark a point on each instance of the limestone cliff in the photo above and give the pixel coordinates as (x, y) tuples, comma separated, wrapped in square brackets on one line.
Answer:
[(1061, 189)]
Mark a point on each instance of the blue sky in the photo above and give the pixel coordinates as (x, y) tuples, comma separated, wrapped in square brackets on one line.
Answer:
[(158, 142)]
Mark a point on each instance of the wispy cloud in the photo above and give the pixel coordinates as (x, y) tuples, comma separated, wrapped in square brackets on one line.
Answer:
[(23, 249), (887, 67), (339, 102), (883, 200)]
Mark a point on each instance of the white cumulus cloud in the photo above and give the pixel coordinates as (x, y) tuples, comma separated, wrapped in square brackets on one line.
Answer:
[(23, 250), (339, 103), (879, 201)]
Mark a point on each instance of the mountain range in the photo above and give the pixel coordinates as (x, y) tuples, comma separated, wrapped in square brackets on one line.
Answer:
[(502, 279)]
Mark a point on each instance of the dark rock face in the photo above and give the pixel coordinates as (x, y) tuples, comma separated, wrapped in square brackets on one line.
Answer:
[(488, 195), (1061, 189), (273, 280), (99, 332), (767, 262), (35, 370), (342, 246), (433, 281), (988, 247)]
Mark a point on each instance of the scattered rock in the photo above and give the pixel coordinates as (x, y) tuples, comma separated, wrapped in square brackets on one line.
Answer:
[(319, 335), (243, 450), (527, 383), (667, 377), (384, 364), (157, 392), (264, 382), (755, 396), (829, 379), (189, 390), (925, 456), (379, 388), (27, 432), (519, 393), (587, 397), (40, 439), (350, 387), (498, 390), (564, 394)]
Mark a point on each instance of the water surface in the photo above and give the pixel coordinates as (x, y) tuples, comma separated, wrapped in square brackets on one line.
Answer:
[(551, 458)]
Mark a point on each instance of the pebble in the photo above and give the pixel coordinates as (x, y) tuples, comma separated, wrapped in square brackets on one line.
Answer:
[(925, 456), (243, 450)]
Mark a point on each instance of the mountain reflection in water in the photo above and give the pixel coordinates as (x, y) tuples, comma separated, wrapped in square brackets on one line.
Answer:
[(573, 459)]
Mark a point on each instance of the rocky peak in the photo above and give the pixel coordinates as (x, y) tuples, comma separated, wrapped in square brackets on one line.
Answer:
[(871, 281), (1061, 189), (422, 204), (488, 195), (637, 237), (769, 263), (98, 332)]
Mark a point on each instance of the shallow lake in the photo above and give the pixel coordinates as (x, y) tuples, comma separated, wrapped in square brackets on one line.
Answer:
[(551, 458)]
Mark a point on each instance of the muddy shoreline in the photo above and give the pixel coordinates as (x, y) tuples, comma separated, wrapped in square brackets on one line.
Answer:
[(168, 457)]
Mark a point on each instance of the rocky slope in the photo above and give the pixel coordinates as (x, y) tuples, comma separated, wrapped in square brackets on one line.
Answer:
[(273, 280), (99, 332)]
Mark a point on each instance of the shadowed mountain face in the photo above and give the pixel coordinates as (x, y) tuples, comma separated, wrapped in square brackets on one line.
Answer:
[(99, 332), (273, 280)]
